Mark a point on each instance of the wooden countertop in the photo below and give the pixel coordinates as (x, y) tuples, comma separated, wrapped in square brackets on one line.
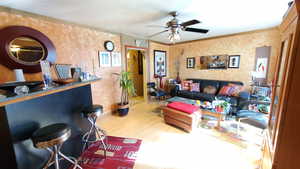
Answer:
[(40, 93)]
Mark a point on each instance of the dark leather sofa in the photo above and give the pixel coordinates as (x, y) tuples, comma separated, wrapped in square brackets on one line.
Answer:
[(218, 84)]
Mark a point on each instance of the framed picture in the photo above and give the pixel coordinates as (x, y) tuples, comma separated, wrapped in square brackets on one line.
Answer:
[(104, 59), (190, 63), (212, 62), (234, 61), (116, 59), (160, 63), (261, 67)]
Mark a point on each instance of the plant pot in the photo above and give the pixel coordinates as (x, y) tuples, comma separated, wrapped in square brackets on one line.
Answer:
[(123, 109), (219, 109)]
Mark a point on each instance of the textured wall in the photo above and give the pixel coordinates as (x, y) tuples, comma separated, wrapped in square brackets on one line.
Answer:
[(241, 44), (75, 45), (157, 46)]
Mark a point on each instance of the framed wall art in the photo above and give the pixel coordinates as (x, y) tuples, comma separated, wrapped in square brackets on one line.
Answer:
[(234, 61), (160, 63), (190, 63), (104, 59), (213, 62), (116, 59)]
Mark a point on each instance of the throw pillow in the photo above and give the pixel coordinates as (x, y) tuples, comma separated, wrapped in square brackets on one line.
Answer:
[(210, 90), (235, 89), (186, 84), (195, 87), (226, 91)]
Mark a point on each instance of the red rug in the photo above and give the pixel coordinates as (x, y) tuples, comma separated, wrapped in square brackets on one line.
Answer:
[(121, 154)]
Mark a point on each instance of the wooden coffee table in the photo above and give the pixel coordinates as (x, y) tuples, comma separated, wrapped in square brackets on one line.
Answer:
[(219, 116)]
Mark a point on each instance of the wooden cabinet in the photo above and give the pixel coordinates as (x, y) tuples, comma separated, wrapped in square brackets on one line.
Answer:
[(281, 148)]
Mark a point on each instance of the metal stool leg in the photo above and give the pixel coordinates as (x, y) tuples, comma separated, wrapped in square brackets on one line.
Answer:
[(102, 137), (55, 157), (86, 137), (51, 159), (99, 134)]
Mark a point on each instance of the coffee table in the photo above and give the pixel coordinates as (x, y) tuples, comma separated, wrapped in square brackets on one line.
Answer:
[(209, 112)]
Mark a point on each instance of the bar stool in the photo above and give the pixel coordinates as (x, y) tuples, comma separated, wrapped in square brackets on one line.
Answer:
[(51, 138), (95, 133)]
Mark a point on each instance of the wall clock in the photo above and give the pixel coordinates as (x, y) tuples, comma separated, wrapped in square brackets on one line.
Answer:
[(109, 46)]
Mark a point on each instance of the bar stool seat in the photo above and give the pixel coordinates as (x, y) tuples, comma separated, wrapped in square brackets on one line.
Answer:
[(93, 110), (52, 137)]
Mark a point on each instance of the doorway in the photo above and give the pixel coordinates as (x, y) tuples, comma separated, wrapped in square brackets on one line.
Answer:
[(135, 64)]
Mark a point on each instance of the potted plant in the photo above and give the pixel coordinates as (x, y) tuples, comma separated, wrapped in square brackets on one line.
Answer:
[(127, 85), (221, 106)]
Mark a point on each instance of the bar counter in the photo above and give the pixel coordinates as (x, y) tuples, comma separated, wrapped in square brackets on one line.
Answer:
[(21, 115)]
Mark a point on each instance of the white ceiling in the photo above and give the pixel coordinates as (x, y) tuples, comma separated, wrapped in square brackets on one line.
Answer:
[(139, 17)]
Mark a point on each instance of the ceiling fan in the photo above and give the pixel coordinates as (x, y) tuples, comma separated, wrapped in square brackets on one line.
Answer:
[(174, 26)]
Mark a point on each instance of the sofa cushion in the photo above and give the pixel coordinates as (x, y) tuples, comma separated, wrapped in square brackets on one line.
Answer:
[(203, 96), (210, 90), (187, 108), (186, 94), (205, 83)]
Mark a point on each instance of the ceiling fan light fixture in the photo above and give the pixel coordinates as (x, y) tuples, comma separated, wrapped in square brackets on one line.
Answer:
[(174, 26), (173, 37)]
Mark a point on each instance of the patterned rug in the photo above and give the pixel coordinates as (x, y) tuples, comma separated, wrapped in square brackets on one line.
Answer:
[(121, 153)]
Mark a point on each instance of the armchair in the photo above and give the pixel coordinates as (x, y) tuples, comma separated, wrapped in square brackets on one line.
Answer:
[(154, 92)]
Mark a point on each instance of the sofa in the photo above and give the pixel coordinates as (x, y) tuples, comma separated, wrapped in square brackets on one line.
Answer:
[(218, 84)]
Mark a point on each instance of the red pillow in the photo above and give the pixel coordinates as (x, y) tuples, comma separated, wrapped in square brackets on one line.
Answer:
[(225, 90), (235, 89), (184, 107), (186, 84)]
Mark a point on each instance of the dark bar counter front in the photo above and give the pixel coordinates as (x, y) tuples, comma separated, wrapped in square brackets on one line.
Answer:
[(20, 116)]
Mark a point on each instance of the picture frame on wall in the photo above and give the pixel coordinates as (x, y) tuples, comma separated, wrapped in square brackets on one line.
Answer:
[(116, 59), (261, 67), (160, 63), (190, 62), (213, 62), (104, 59), (234, 61)]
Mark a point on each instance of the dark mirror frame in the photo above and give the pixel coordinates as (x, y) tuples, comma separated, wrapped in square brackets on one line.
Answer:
[(10, 33)]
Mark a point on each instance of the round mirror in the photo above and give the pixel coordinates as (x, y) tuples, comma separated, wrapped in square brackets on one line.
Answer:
[(26, 50)]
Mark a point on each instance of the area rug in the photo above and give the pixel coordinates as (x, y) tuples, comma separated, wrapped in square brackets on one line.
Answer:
[(121, 154)]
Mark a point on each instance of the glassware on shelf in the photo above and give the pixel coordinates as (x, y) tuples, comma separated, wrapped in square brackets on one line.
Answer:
[(45, 66), (21, 90)]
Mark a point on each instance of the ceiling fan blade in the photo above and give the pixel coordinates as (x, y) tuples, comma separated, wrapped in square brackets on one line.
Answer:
[(158, 33), (156, 26), (191, 22), (196, 30)]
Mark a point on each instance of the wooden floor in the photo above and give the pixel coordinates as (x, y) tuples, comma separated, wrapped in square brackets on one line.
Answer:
[(166, 147)]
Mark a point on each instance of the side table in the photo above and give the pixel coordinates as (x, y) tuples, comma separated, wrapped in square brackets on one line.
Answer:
[(219, 116)]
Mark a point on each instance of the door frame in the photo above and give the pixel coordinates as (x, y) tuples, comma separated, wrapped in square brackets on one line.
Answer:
[(145, 66)]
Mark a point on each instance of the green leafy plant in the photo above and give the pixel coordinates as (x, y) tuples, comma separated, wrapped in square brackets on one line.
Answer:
[(224, 105), (263, 108), (127, 85)]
